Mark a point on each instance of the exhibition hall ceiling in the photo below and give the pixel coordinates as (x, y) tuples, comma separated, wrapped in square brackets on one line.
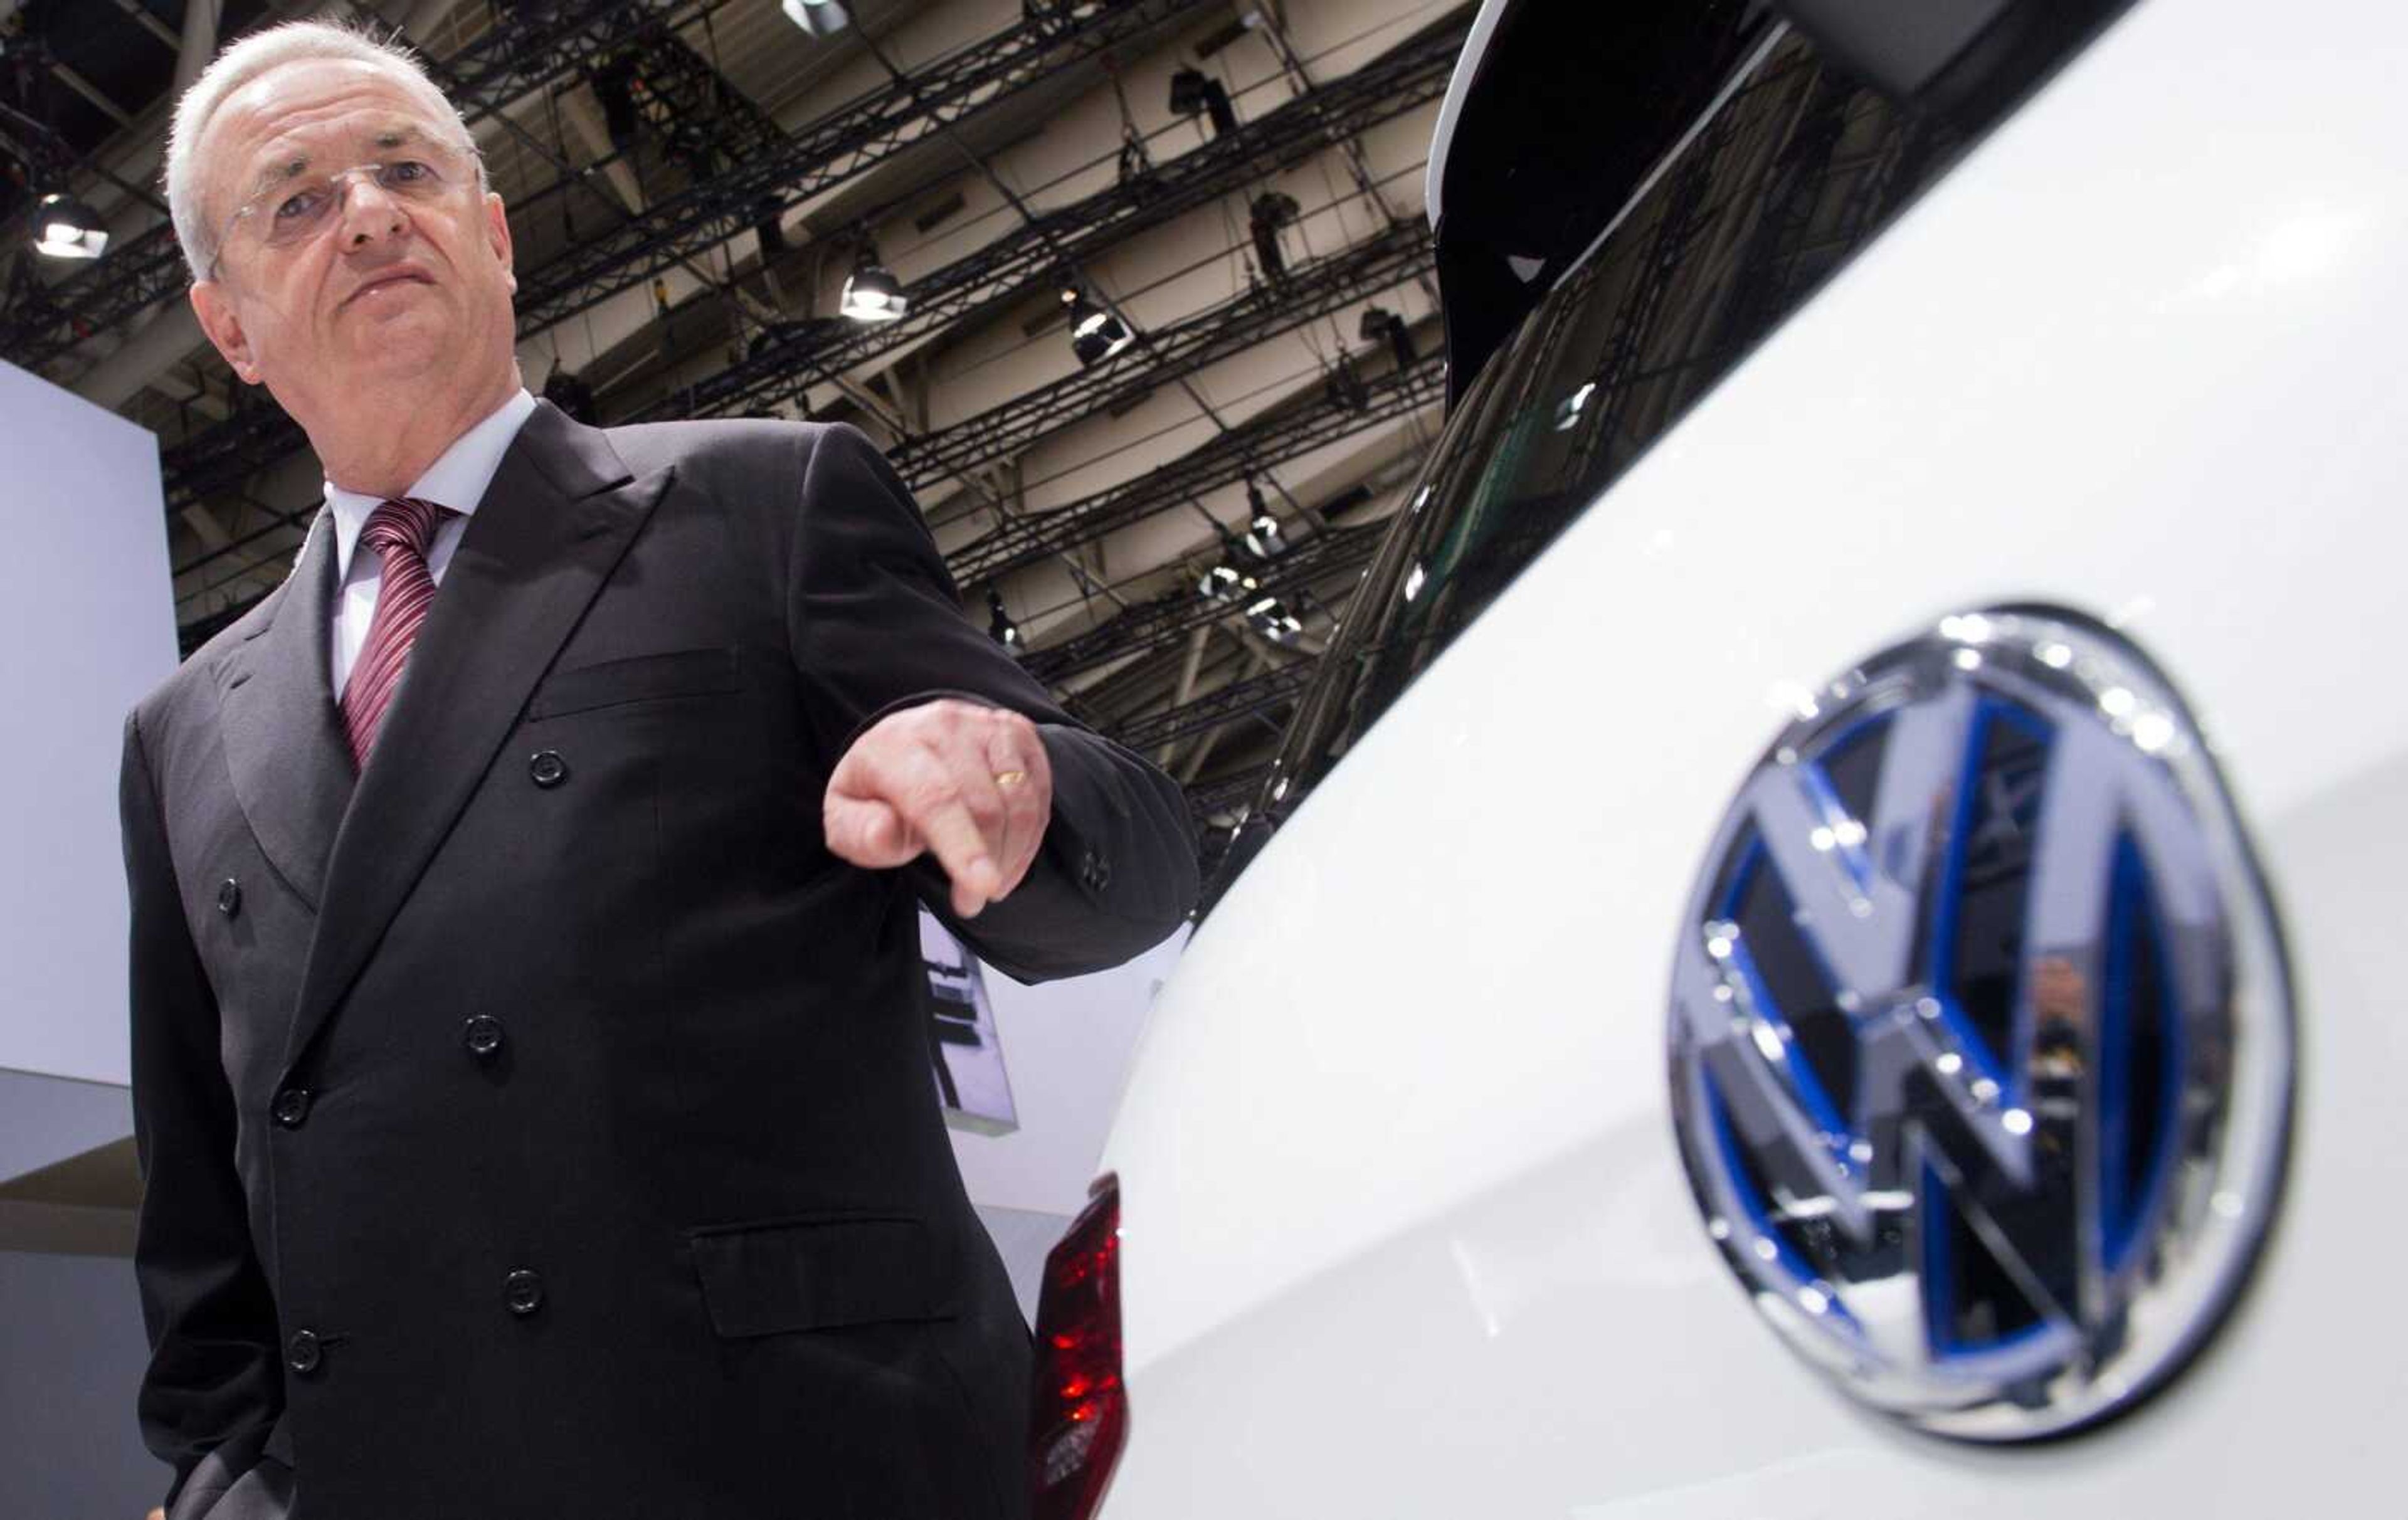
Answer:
[(1137, 294)]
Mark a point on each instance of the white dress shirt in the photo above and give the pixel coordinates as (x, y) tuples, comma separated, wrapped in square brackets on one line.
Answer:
[(458, 481)]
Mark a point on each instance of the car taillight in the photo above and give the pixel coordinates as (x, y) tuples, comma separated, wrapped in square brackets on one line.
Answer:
[(1078, 1416)]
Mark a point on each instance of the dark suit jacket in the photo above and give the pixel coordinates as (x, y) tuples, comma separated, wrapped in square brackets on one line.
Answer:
[(541, 1126)]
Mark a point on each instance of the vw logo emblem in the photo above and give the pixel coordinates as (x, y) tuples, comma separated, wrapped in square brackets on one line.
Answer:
[(1980, 1038)]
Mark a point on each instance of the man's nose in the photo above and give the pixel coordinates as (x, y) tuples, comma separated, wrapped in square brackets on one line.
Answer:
[(368, 212)]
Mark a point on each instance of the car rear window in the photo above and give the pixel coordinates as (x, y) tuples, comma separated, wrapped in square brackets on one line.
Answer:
[(1795, 165)]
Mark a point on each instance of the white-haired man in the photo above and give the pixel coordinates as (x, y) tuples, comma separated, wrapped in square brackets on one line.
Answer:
[(529, 1090)]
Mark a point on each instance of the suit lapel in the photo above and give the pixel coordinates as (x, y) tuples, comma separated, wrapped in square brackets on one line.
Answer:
[(560, 513), (284, 736)]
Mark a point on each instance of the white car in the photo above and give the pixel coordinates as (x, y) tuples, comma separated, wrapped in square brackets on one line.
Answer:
[(1831, 946)]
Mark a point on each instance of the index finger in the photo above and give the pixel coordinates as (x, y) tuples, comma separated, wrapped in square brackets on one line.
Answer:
[(960, 846)]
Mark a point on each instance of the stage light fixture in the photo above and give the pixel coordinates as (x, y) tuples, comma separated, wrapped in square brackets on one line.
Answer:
[(819, 18), (66, 229), (614, 86), (1226, 584), (1264, 539), (1380, 322), (1000, 625), (573, 396), (1345, 388), (1194, 93), (1096, 334), (1273, 622), (1271, 211), (871, 293), (768, 226)]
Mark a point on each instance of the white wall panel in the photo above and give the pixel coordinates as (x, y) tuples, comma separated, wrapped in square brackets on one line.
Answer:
[(86, 627)]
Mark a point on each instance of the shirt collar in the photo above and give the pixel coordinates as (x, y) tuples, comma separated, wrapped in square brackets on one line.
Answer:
[(457, 480)]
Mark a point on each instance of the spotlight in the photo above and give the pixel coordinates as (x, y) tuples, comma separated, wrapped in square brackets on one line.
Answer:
[(614, 86), (1000, 625), (1096, 334), (1271, 212), (1264, 539), (1194, 93), (871, 292), (1273, 622), (1226, 584), (1187, 87), (820, 18), (572, 395), (769, 229), (1345, 387), (66, 229), (1379, 323)]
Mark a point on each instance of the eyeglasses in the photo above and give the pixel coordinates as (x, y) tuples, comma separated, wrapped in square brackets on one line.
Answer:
[(293, 210)]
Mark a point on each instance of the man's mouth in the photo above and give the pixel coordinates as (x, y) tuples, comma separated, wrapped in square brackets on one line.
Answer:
[(399, 276)]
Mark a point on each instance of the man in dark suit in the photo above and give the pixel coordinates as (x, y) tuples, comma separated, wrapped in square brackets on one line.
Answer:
[(532, 1105)]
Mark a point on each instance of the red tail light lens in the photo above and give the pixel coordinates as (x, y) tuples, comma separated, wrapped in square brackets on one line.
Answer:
[(1078, 1417)]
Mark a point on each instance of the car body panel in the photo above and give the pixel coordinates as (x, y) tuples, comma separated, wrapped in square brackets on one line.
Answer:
[(1404, 1225)]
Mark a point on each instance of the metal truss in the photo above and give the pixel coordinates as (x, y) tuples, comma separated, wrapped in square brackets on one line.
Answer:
[(832, 149), (1254, 697), (844, 143), (1253, 447), (1326, 285), (705, 123), (518, 54), (1205, 799), (1022, 260), (1150, 624)]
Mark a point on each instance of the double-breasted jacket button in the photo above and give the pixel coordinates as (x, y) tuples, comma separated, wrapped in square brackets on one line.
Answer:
[(522, 1290), (482, 1036), (1094, 871), (545, 767), (229, 896), (303, 1353), (291, 1107)]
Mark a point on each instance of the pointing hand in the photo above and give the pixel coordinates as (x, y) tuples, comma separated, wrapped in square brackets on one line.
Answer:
[(969, 783)]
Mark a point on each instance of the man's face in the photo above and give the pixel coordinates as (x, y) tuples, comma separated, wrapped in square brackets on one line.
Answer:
[(388, 287)]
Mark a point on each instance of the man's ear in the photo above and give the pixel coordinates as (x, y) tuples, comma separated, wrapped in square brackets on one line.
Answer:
[(224, 329), (497, 232)]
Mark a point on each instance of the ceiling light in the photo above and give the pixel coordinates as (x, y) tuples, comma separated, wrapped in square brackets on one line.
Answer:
[(66, 229)]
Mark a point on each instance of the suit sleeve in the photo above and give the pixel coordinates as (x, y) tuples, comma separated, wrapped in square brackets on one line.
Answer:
[(214, 1385), (876, 626)]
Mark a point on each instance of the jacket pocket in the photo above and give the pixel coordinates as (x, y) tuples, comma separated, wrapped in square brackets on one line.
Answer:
[(683, 672), (818, 1272)]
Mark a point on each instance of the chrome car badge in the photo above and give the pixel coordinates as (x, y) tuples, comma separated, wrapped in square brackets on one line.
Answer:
[(1981, 1037)]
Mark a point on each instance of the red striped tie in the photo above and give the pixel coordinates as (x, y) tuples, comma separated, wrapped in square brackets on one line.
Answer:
[(400, 532)]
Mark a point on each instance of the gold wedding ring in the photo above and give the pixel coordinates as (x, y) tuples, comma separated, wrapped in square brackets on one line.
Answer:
[(1009, 778)]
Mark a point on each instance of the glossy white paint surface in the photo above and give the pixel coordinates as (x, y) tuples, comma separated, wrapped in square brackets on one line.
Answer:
[(1404, 1231)]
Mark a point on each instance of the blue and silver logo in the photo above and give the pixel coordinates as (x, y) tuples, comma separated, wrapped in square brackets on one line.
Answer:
[(1981, 1041)]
